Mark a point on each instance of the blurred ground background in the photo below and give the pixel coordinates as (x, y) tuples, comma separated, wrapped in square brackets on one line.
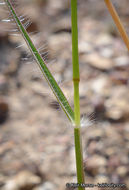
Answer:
[(36, 140)]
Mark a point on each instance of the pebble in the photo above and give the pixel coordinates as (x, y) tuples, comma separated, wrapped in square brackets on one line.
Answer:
[(122, 61), (41, 3), (94, 163), (113, 162), (114, 114), (101, 85), (106, 52), (104, 40), (122, 171), (94, 133), (85, 47), (101, 179), (47, 186), (99, 62), (24, 180), (119, 77), (117, 107), (110, 151), (54, 7)]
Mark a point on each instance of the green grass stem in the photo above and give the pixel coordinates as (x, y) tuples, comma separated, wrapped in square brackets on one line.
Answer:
[(79, 157), (76, 79), (76, 75)]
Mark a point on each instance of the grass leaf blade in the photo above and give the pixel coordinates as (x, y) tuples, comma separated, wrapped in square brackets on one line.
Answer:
[(47, 74)]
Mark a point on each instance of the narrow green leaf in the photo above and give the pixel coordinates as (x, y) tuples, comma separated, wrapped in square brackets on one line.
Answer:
[(47, 74)]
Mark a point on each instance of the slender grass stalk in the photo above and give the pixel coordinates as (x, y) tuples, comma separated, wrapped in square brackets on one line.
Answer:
[(76, 79), (117, 22), (47, 74)]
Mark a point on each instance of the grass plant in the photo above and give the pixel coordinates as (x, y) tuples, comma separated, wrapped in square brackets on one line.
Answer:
[(73, 116)]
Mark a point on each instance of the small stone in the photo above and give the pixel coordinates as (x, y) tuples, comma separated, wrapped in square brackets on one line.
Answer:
[(122, 61), (99, 62), (101, 85), (118, 110), (101, 179), (24, 180), (117, 107), (54, 7), (104, 40), (106, 52), (47, 186), (114, 114), (41, 3), (95, 133), (85, 47), (94, 164), (122, 171), (113, 162), (110, 151), (119, 77)]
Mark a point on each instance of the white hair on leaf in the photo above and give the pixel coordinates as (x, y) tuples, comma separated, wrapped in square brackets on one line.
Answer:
[(87, 121)]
